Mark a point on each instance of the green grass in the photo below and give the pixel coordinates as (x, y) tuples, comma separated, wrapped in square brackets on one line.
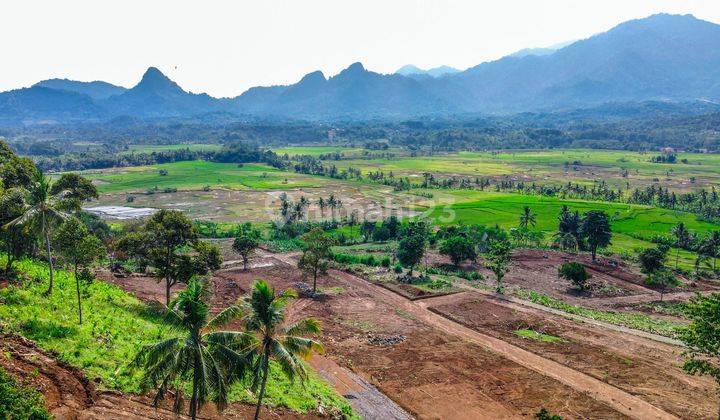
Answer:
[(318, 150), (633, 225), (630, 320), (115, 326), (194, 175), (19, 402), (537, 336), (547, 166)]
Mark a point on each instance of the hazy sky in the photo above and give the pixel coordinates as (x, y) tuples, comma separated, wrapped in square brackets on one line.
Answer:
[(224, 47)]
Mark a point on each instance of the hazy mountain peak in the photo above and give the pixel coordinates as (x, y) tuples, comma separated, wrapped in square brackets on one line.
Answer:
[(409, 69), (354, 68), (413, 70), (313, 77), (95, 90), (155, 79)]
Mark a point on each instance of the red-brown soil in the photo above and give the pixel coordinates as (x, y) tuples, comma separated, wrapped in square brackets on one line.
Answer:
[(439, 373), (639, 366), (431, 374)]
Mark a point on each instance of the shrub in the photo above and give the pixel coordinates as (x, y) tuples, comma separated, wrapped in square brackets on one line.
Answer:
[(385, 262), (398, 268), (18, 402), (575, 273), (544, 414)]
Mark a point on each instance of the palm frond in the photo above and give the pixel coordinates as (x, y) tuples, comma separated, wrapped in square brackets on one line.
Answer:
[(304, 326), (225, 316), (288, 362)]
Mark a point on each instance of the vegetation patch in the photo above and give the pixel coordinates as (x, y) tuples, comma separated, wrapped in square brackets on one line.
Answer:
[(115, 326), (538, 336), (630, 320), (19, 402)]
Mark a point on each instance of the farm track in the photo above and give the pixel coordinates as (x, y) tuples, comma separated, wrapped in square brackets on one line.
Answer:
[(653, 297), (621, 401), (540, 308)]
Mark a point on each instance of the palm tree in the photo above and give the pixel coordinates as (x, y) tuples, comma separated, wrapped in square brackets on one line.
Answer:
[(682, 240), (201, 352), (41, 211), (527, 219), (322, 204), (263, 313), (714, 245), (332, 203)]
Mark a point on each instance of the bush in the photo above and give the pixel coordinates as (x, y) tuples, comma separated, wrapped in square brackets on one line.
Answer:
[(575, 273), (544, 414), (398, 268), (18, 402), (385, 262)]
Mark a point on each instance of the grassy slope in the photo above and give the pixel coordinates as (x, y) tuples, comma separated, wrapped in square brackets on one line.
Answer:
[(116, 326), (197, 174)]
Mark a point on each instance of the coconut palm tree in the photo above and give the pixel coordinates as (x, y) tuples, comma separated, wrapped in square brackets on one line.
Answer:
[(332, 203), (527, 219), (201, 352), (263, 315), (683, 239), (322, 204), (42, 210)]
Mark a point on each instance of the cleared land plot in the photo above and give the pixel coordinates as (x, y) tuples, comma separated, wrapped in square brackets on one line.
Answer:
[(430, 373), (639, 366)]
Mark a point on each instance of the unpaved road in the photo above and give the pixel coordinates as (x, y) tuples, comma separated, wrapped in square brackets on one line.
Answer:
[(622, 401), (538, 307)]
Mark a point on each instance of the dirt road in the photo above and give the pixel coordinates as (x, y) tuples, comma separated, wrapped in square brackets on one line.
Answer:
[(623, 402)]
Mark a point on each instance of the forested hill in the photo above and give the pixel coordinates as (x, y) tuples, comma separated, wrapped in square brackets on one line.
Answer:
[(668, 58)]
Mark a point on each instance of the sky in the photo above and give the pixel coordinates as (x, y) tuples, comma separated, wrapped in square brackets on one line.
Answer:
[(224, 47)]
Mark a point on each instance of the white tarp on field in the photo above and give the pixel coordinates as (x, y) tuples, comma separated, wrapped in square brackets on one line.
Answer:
[(121, 212)]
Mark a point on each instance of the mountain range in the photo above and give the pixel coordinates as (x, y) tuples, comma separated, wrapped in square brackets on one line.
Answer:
[(672, 58)]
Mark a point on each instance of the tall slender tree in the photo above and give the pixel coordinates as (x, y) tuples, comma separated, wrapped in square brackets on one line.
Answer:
[(42, 211), (322, 204), (78, 247), (263, 315), (316, 251), (682, 240)]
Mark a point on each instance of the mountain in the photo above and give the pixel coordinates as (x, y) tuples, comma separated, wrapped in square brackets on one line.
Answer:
[(412, 70), (540, 51), (96, 90), (533, 51), (354, 93), (41, 105), (662, 58), (158, 96)]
